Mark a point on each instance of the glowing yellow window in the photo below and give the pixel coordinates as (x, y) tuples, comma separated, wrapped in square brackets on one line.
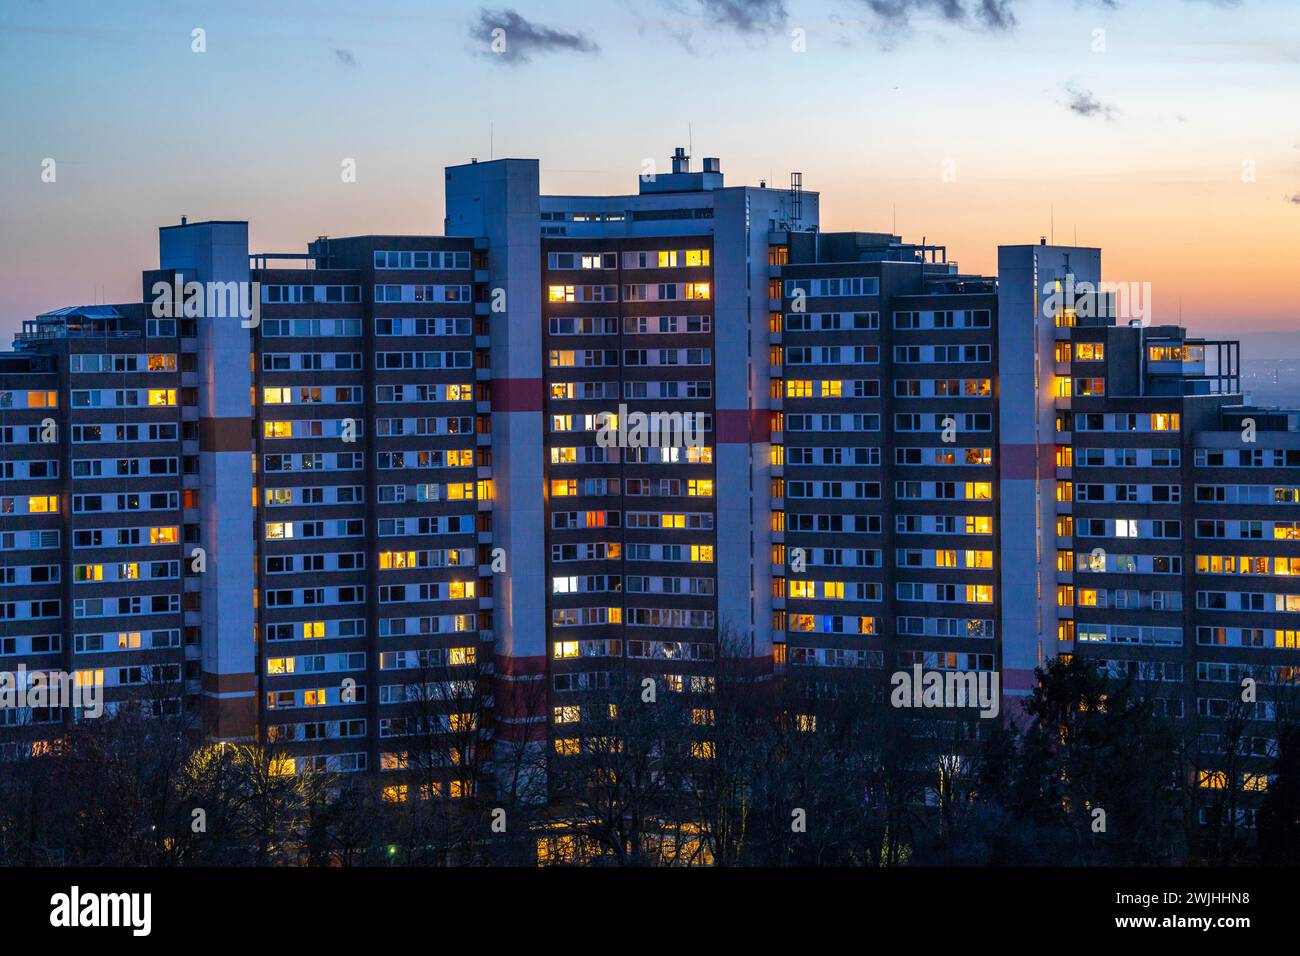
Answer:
[(979, 559), (277, 396), (42, 399), (979, 593), (866, 625), (162, 396), (667, 259), (803, 589), (1212, 779), (697, 257), (979, 491), (280, 665), (615, 615), (163, 535), (702, 717), (1165, 421), (807, 723), (42, 504), (313, 629), (945, 559), (88, 572), (564, 488), (564, 456), (460, 393), (278, 429), (460, 491), (979, 525), (702, 553), (700, 488), (1090, 351), (798, 388), (279, 496), (697, 290), (459, 656), (396, 793), (129, 571), (460, 589), (568, 715), (702, 749), (562, 358), (1087, 597), (88, 678), (161, 362), (279, 530), (314, 698), (567, 746), (565, 649), (833, 590), (832, 388), (1254, 782), (128, 641)]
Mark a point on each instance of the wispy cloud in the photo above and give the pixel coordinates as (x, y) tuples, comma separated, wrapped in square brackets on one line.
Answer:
[(514, 39), (1084, 103), (746, 16), (895, 16), (1294, 198)]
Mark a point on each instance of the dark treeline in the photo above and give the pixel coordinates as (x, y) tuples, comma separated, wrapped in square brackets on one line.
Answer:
[(782, 771)]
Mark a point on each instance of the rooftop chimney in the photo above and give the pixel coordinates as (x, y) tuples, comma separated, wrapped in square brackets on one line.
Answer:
[(712, 164), (681, 162)]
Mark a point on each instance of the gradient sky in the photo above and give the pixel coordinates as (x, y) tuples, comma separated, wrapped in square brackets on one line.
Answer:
[(1148, 164)]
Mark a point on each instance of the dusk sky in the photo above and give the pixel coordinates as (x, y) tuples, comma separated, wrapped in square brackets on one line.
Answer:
[(1178, 155)]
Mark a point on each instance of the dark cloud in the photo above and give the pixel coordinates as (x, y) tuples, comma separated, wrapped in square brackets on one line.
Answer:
[(992, 15), (345, 57), (523, 38), (1294, 198), (1084, 103), (746, 16)]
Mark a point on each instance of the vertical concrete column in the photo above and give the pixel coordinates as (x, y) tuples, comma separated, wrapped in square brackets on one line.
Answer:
[(500, 201), (216, 254)]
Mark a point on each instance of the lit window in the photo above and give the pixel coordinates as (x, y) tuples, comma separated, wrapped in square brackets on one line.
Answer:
[(162, 396)]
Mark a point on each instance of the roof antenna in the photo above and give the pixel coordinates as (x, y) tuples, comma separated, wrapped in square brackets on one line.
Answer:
[(690, 140), (1052, 231), (492, 141)]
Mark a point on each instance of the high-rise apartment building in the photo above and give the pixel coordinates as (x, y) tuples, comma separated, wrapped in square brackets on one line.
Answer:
[(435, 468)]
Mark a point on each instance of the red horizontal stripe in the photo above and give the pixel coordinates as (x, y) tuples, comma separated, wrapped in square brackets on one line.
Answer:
[(517, 394)]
